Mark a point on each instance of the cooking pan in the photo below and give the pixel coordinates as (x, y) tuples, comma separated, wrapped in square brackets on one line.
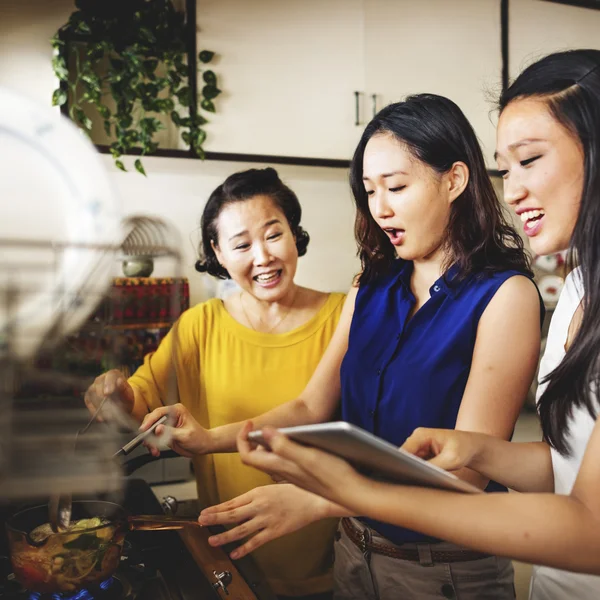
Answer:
[(84, 556)]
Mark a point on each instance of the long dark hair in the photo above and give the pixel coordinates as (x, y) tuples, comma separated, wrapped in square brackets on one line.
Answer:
[(478, 236), (237, 188), (569, 84)]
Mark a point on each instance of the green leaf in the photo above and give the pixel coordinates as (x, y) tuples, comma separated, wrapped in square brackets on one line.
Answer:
[(206, 56), (182, 91), (175, 117), (125, 121), (185, 136), (107, 128), (139, 167), (150, 125), (147, 35), (56, 42), (60, 68), (181, 68), (92, 80), (199, 152), (82, 119), (184, 95), (103, 111), (59, 97), (96, 51), (174, 78), (200, 137), (166, 105), (83, 27), (207, 104), (210, 78), (121, 166), (210, 92), (114, 150)]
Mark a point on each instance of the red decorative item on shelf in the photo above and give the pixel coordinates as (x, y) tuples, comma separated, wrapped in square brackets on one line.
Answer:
[(149, 302)]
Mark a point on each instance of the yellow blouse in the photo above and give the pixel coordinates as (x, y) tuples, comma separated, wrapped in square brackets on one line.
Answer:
[(227, 373)]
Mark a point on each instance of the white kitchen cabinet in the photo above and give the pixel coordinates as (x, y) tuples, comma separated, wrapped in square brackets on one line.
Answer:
[(288, 70), (451, 48), (539, 28)]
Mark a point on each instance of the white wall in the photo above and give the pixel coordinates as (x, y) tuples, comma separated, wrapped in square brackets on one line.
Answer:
[(539, 28), (176, 189)]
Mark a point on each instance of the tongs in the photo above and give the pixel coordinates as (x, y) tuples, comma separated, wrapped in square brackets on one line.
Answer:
[(139, 439), (60, 505)]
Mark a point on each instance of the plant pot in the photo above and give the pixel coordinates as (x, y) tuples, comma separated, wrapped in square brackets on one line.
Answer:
[(138, 266)]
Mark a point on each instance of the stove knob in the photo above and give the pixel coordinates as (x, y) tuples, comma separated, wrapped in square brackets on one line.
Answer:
[(223, 580), (169, 505)]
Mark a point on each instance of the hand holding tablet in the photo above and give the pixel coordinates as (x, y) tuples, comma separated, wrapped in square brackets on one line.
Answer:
[(371, 455)]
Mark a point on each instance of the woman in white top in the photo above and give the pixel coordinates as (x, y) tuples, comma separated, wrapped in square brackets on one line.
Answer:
[(548, 151)]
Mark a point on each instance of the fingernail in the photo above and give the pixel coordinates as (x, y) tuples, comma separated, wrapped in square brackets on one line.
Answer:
[(235, 554)]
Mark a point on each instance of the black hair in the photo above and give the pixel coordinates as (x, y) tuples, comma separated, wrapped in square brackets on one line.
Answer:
[(478, 236), (237, 188), (569, 84)]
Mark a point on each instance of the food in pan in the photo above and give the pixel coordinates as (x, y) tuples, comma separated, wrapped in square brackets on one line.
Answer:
[(86, 554)]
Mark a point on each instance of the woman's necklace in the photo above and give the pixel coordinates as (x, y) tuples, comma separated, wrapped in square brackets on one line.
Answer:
[(277, 323)]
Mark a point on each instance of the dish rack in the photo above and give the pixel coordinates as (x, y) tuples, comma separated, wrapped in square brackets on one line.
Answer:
[(41, 391)]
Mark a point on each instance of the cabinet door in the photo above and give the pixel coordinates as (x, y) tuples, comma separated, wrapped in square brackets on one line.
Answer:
[(539, 28), (288, 71), (451, 48)]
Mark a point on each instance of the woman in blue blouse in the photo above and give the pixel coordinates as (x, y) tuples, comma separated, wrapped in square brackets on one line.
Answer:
[(442, 329)]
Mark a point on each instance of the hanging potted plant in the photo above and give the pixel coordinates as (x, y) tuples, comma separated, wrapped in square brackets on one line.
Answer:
[(127, 61)]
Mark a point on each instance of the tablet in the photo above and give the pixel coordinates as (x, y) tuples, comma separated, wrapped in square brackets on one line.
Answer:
[(372, 456)]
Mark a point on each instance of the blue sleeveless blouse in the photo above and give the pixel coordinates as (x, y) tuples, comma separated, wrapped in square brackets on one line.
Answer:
[(398, 375)]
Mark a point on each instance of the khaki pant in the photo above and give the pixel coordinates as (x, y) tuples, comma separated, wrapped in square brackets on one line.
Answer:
[(377, 577)]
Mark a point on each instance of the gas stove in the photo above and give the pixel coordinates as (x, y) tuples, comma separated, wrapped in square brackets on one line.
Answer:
[(154, 565)]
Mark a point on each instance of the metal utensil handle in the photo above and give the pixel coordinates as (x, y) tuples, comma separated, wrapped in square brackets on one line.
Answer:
[(60, 505), (138, 439), (160, 523)]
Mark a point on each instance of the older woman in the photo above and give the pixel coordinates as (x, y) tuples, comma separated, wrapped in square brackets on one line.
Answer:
[(239, 357)]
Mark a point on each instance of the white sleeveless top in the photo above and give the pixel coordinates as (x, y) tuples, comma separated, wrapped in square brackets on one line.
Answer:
[(548, 583)]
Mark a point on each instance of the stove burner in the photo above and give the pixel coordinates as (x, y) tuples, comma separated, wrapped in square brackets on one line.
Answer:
[(110, 589), (106, 584)]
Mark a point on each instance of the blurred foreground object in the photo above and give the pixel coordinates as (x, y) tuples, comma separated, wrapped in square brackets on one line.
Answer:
[(60, 233)]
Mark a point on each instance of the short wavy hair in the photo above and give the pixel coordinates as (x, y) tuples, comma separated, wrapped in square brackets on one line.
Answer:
[(238, 188)]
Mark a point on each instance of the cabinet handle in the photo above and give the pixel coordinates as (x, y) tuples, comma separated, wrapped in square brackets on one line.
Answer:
[(356, 108), (374, 98)]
